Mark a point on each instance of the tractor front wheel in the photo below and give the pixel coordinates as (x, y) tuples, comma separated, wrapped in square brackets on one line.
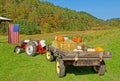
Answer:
[(60, 67), (17, 49)]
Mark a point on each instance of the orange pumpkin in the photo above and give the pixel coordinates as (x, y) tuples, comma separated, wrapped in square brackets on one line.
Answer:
[(77, 39), (60, 38), (99, 49)]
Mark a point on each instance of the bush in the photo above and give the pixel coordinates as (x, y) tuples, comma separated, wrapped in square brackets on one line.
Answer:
[(28, 28), (4, 29), (48, 28)]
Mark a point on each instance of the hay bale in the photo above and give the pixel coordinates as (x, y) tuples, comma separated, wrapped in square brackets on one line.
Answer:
[(56, 44), (67, 45)]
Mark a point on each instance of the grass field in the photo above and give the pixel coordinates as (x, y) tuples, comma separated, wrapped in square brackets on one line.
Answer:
[(21, 67)]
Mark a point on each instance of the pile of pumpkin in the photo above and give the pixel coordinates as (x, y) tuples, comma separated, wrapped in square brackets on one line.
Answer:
[(75, 45), (65, 44)]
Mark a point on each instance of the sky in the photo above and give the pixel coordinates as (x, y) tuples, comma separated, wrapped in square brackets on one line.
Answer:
[(103, 9)]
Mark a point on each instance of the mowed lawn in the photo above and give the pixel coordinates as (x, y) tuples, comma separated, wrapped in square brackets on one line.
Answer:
[(21, 67)]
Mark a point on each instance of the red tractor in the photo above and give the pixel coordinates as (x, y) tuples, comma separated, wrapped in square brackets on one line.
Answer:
[(31, 47)]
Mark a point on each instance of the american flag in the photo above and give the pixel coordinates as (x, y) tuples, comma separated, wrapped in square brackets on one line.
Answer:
[(13, 33)]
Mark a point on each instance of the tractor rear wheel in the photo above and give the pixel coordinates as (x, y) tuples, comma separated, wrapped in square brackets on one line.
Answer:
[(60, 67), (100, 69), (30, 48), (49, 56), (17, 49)]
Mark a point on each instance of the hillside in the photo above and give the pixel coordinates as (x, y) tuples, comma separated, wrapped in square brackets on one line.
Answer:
[(113, 22), (35, 16)]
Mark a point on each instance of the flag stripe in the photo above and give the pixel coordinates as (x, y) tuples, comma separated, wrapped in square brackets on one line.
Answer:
[(13, 34)]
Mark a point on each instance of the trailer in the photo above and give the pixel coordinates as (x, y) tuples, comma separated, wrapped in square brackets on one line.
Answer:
[(79, 58)]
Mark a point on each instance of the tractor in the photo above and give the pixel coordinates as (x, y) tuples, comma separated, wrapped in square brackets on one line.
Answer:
[(31, 47)]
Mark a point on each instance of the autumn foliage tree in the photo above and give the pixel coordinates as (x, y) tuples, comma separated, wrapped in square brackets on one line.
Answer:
[(35, 17)]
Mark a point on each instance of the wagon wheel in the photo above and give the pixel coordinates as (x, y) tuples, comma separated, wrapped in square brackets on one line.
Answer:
[(49, 56), (17, 49), (30, 48), (100, 69), (60, 67)]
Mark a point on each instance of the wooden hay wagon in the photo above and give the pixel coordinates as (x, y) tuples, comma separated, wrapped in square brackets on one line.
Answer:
[(78, 58)]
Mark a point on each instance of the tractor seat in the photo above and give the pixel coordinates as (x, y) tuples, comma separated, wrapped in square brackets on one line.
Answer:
[(26, 41)]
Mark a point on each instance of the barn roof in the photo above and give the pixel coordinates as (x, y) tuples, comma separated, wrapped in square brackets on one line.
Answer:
[(5, 19)]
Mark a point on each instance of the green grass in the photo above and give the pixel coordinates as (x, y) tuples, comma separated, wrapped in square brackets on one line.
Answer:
[(21, 67)]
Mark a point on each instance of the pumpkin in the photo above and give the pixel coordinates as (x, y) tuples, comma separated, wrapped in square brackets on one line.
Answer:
[(60, 38), (99, 49), (77, 39)]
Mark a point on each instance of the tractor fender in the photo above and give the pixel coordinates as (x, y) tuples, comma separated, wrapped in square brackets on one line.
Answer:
[(42, 43)]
